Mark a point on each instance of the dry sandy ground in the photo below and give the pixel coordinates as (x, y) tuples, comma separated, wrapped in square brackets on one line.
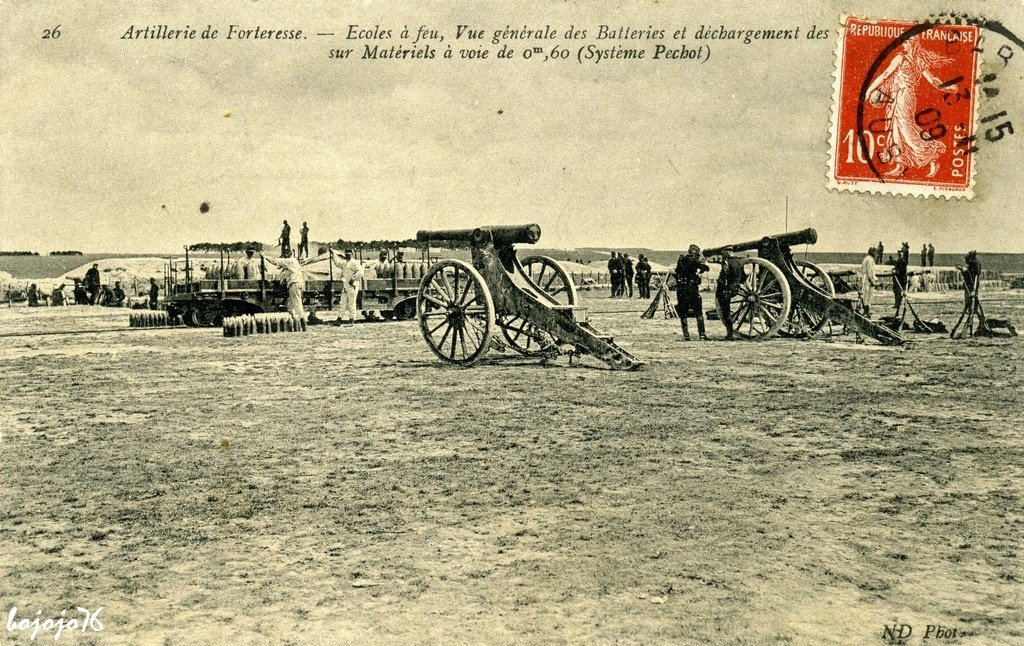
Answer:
[(342, 486)]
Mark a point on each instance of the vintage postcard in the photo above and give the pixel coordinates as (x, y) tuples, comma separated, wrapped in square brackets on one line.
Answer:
[(549, 322)]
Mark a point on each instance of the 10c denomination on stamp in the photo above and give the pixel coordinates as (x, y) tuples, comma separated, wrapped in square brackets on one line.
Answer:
[(903, 111)]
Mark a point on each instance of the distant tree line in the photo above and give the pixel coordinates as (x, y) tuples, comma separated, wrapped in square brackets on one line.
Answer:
[(65, 253), (375, 244), (226, 246), (19, 253)]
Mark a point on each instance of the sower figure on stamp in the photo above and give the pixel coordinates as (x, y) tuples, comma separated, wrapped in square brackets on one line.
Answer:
[(351, 279), (689, 269), (896, 88), (729, 280), (867, 280)]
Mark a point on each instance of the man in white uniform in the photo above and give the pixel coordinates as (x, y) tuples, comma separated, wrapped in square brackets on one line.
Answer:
[(351, 280), (290, 273), (867, 280)]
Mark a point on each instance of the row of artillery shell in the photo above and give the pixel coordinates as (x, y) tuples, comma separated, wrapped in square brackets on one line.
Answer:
[(148, 319), (262, 324), (402, 270)]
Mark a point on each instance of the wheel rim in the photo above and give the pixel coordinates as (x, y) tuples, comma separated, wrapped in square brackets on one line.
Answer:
[(455, 312), (762, 302), (550, 278), (803, 322)]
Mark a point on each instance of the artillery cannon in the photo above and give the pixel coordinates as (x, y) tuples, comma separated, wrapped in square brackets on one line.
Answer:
[(780, 295), (533, 302)]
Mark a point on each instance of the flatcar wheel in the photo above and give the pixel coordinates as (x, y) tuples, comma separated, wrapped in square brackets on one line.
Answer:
[(551, 278), (204, 317), (525, 337), (803, 322), (455, 312), (761, 304)]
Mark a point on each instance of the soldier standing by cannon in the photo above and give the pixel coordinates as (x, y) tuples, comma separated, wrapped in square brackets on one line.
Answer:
[(899, 277), (689, 269), (729, 279)]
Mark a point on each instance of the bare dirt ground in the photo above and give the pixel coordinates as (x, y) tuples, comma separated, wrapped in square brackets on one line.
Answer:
[(342, 486)]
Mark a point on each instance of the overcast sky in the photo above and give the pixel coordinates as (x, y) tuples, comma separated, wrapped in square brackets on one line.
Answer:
[(112, 145)]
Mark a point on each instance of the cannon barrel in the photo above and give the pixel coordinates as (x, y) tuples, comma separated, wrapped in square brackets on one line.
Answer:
[(804, 236), (500, 234)]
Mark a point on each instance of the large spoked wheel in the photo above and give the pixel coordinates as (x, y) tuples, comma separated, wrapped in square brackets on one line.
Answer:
[(803, 322), (455, 312), (761, 304), (549, 277)]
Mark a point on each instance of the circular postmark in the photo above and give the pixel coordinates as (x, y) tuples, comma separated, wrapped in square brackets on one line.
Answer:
[(903, 132)]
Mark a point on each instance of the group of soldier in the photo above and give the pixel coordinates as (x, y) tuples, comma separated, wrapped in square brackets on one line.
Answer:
[(688, 275), (623, 274), (927, 254), (285, 240), (90, 291)]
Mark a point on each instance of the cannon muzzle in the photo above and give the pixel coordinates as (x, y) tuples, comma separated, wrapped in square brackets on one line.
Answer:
[(805, 236), (500, 235)]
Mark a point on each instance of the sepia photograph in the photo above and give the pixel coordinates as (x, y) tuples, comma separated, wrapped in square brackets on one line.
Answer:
[(481, 322)]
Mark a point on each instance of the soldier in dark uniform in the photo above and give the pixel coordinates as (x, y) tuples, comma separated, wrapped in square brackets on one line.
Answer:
[(729, 280), (643, 277), (627, 275), (154, 293), (303, 241), (899, 279), (119, 295), (688, 303), (286, 240), (614, 273), (924, 255), (92, 283), (972, 276), (81, 296)]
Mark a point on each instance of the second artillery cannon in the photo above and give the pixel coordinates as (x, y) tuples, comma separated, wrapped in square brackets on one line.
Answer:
[(782, 295), (533, 302)]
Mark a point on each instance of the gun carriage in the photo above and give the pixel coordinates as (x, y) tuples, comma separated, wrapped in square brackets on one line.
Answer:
[(780, 295), (533, 302)]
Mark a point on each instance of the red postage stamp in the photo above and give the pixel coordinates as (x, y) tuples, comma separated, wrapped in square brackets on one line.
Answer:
[(903, 111)]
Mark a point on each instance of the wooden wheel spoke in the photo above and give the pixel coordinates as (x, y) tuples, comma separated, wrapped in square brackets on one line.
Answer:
[(441, 290), (462, 341), (433, 300), (448, 285), (438, 327)]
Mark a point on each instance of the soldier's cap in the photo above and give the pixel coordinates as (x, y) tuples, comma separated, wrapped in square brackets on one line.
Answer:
[(694, 249)]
